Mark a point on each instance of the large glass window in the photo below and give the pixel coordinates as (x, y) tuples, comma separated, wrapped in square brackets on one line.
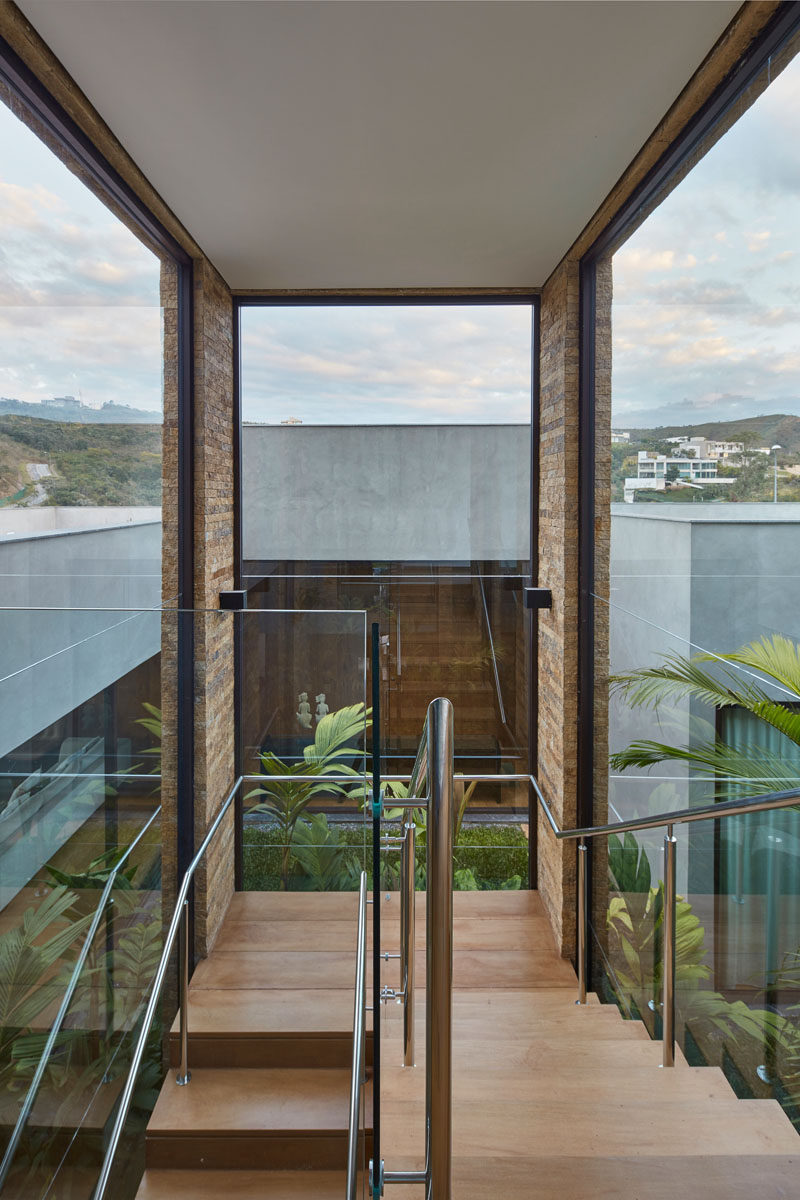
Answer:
[(386, 466), (703, 632), (82, 369)]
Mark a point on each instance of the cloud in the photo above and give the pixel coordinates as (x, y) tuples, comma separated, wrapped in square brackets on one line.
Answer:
[(387, 364), (717, 340)]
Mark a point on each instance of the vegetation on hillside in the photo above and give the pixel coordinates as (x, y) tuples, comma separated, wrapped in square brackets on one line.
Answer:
[(90, 464), (753, 473)]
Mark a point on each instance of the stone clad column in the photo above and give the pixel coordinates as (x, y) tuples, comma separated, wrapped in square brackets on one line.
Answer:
[(214, 733)]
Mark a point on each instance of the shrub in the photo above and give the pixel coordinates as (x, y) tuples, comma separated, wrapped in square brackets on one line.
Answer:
[(487, 857)]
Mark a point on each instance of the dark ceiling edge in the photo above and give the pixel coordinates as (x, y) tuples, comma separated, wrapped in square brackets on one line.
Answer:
[(430, 295)]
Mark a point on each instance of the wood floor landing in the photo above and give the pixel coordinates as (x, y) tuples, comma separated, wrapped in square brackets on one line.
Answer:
[(551, 1100)]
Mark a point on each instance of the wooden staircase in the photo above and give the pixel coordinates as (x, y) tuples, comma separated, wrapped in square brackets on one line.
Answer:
[(551, 1100)]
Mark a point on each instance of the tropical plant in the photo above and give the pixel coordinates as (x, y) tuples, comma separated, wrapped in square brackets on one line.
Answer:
[(399, 791), (287, 799), (154, 724), (747, 769), (628, 865), (635, 933), (326, 862), (28, 954), (97, 873)]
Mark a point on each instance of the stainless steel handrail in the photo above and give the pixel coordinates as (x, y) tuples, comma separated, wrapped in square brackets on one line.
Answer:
[(458, 777), (179, 918), (358, 1074), (434, 767), (69, 992), (684, 816), (681, 816)]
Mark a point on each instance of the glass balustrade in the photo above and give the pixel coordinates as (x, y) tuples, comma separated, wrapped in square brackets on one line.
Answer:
[(692, 726)]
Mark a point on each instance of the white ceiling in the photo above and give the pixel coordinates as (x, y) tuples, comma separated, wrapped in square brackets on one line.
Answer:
[(330, 143)]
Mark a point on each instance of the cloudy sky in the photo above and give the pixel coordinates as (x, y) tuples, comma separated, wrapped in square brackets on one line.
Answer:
[(388, 364), (706, 314), (79, 294), (706, 306)]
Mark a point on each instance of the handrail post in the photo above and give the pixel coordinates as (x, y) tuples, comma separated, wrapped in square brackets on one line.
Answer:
[(408, 918), (582, 853), (668, 950), (439, 953), (359, 1039), (184, 1074)]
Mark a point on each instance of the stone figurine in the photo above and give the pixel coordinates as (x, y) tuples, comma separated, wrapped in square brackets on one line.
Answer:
[(303, 713), (322, 708)]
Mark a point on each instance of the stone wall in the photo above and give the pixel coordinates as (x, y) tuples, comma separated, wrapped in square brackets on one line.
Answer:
[(558, 570), (214, 734)]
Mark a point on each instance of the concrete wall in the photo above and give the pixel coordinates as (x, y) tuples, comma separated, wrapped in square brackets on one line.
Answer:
[(52, 661), (386, 492), (686, 579), (20, 522)]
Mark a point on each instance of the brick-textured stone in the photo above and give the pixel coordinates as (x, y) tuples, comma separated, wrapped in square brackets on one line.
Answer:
[(214, 733), (558, 570)]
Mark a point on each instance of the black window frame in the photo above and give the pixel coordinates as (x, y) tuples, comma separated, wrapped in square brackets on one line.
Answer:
[(405, 297), (32, 95), (784, 25)]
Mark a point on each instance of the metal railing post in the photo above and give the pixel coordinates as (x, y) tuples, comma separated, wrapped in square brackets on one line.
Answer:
[(184, 1074), (439, 953), (359, 1039), (582, 853), (408, 918), (668, 949)]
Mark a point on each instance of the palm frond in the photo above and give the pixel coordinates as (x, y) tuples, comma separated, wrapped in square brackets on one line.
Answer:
[(775, 656), (678, 678), (746, 770)]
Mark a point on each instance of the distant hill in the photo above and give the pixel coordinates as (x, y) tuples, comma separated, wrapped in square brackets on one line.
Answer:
[(89, 464), (779, 429), (49, 410)]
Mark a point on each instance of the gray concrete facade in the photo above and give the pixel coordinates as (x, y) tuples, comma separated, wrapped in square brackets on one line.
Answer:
[(442, 493), (67, 634)]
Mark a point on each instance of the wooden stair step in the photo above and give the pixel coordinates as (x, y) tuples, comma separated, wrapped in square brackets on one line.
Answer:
[(469, 933), (343, 906), (557, 1126), (262, 1118), (334, 970), (642, 1084), (241, 1185), (251, 1027), (608, 1177)]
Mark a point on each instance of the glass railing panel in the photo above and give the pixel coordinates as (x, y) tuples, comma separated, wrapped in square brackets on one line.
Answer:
[(92, 999), (455, 630), (491, 848), (80, 792), (737, 976), (702, 711), (305, 726)]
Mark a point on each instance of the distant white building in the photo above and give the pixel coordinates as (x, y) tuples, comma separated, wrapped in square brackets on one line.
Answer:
[(705, 447), (619, 436), (654, 471)]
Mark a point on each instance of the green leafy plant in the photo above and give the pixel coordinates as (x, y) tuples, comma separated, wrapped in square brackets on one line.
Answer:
[(628, 865), (287, 799), (326, 863), (97, 873), (635, 927), (751, 770)]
